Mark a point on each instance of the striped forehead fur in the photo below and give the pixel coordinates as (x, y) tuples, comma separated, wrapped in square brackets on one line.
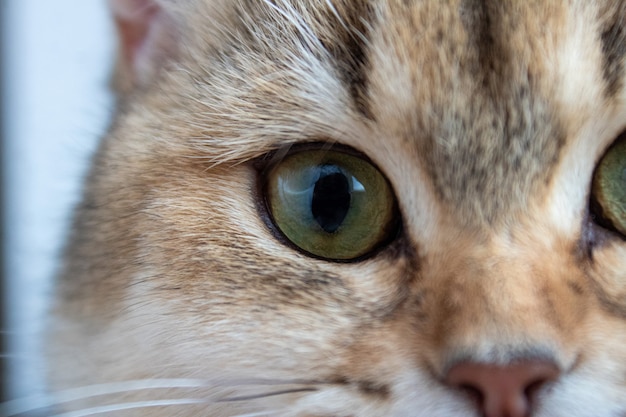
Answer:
[(481, 81)]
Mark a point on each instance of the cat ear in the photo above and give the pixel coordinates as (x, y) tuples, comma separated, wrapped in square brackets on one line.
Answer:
[(147, 40)]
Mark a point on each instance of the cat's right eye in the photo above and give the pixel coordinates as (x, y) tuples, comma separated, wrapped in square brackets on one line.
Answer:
[(331, 204), (608, 191)]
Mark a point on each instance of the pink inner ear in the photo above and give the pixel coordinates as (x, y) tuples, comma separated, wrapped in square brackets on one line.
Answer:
[(147, 38)]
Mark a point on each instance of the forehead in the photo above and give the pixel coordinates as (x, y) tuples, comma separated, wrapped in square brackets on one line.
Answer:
[(469, 87), (484, 96)]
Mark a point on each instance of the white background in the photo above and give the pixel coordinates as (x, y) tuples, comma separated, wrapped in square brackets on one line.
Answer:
[(58, 56)]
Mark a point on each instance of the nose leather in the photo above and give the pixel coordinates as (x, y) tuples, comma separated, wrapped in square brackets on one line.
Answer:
[(505, 391)]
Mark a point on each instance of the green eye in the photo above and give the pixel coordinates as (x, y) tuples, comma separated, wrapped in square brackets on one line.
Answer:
[(609, 187), (331, 204)]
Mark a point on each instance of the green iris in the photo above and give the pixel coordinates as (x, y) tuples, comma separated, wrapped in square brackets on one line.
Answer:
[(609, 186), (331, 204)]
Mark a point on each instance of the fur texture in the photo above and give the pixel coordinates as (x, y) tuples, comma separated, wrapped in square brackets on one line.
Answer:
[(487, 118)]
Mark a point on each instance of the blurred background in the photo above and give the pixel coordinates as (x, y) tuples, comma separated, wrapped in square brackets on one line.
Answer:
[(55, 61)]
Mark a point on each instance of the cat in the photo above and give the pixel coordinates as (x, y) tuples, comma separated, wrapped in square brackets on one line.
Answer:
[(353, 208)]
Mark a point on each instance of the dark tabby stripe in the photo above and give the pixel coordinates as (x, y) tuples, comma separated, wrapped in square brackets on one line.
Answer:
[(481, 20), (614, 48), (350, 51)]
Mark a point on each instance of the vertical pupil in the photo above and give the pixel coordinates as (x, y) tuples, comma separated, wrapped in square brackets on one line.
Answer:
[(331, 198)]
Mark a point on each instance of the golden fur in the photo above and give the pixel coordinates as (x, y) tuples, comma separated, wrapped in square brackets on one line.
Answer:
[(487, 118)]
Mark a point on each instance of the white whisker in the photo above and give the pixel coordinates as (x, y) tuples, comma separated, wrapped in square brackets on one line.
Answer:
[(258, 414), (129, 406), (36, 402)]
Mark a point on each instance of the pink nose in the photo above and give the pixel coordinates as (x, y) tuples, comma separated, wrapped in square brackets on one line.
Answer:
[(505, 391)]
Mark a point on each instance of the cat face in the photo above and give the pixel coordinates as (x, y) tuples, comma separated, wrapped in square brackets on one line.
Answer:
[(355, 208)]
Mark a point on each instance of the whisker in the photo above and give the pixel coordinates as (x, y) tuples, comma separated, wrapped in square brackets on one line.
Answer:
[(258, 414), (266, 382), (129, 406), (36, 402), (45, 401), (266, 395)]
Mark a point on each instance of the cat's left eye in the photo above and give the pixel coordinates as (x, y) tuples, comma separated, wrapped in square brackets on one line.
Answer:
[(608, 192), (331, 204)]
